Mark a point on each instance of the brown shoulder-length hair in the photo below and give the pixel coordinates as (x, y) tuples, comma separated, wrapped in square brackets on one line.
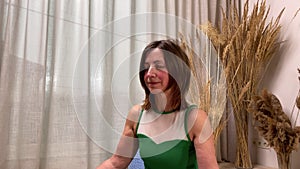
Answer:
[(178, 66)]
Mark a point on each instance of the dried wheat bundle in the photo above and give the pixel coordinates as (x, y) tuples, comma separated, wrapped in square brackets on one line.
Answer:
[(247, 43), (209, 96)]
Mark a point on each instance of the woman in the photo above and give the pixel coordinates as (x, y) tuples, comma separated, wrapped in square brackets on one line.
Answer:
[(170, 133)]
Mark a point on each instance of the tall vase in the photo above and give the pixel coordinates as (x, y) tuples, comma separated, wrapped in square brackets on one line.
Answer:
[(283, 159)]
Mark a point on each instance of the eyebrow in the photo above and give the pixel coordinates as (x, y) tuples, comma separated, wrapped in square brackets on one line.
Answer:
[(155, 62)]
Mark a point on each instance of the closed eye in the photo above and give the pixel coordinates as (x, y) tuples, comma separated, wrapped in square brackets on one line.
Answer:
[(160, 66), (156, 64)]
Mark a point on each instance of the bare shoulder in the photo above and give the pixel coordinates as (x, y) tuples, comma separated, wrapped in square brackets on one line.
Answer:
[(132, 120), (198, 121), (134, 113), (197, 115)]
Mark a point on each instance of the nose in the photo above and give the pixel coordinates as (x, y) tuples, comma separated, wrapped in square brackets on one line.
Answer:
[(151, 72)]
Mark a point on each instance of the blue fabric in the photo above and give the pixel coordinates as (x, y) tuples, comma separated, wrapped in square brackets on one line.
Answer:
[(137, 162)]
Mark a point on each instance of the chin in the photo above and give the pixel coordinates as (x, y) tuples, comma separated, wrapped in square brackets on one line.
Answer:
[(156, 91)]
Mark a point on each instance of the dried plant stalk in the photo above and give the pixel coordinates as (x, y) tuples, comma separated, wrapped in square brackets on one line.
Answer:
[(298, 101), (247, 43), (298, 97)]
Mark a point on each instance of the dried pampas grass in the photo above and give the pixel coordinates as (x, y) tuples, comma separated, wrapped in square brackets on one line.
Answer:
[(275, 126), (246, 44)]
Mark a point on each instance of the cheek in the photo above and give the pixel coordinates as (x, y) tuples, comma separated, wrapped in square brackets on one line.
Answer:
[(164, 76), (145, 76)]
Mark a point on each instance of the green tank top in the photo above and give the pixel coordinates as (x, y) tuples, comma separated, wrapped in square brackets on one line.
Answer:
[(169, 151)]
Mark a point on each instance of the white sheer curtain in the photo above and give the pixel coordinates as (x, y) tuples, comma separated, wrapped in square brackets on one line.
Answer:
[(69, 73)]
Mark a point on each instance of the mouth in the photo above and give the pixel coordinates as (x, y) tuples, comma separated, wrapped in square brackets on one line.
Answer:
[(152, 84)]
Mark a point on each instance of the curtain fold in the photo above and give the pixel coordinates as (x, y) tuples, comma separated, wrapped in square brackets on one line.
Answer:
[(69, 73)]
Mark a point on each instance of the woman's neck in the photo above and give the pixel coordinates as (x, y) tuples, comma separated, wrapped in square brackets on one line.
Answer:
[(162, 102)]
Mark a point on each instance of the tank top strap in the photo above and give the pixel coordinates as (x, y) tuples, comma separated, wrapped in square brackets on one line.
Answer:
[(138, 123), (186, 116)]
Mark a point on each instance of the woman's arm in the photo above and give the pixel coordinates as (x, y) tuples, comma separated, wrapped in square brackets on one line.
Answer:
[(201, 134), (128, 143)]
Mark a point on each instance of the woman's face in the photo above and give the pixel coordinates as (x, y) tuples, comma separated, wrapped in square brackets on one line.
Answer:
[(156, 74)]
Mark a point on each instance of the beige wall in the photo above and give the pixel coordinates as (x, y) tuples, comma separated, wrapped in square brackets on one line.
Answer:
[(281, 78)]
